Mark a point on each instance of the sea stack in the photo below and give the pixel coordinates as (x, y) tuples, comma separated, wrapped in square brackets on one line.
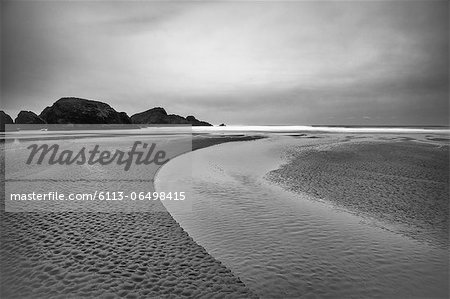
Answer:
[(82, 111), (5, 119), (29, 118), (159, 115)]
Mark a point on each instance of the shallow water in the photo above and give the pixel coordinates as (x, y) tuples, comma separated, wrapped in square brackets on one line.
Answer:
[(283, 244)]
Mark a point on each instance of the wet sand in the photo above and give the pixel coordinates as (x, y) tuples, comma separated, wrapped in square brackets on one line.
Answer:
[(402, 180), (147, 254), (286, 244), (108, 255)]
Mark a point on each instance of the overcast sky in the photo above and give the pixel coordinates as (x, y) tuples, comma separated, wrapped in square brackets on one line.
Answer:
[(360, 62)]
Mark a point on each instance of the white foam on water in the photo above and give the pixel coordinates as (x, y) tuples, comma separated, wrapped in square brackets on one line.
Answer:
[(293, 129)]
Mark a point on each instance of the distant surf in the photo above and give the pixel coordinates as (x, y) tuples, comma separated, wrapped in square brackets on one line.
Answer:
[(330, 129)]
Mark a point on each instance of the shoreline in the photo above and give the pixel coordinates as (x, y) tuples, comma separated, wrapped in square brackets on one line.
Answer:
[(385, 179), (108, 255), (282, 243)]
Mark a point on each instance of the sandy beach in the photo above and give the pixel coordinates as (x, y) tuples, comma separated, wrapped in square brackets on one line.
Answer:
[(289, 215), (109, 255), (403, 180), (224, 149), (292, 243)]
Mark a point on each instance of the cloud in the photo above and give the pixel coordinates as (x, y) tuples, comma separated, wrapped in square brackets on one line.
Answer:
[(239, 62)]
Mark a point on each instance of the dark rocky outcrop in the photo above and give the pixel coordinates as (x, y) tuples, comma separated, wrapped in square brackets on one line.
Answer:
[(82, 111), (195, 122), (124, 118), (5, 119), (176, 120), (159, 116), (152, 116), (29, 118)]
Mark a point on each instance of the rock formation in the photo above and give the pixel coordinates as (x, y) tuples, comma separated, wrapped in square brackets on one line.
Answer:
[(5, 119), (29, 118), (159, 116), (82, 111)]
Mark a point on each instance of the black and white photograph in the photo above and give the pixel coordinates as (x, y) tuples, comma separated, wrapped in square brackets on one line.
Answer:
[(224, 149)]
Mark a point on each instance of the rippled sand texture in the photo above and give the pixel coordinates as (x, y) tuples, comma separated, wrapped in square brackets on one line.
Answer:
[(123, 253), (95, 255), (402, 182)]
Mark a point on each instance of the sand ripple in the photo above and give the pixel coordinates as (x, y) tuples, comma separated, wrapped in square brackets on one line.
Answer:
[(102, 255)]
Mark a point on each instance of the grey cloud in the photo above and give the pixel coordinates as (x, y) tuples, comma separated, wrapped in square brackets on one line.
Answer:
[(235, 62)]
